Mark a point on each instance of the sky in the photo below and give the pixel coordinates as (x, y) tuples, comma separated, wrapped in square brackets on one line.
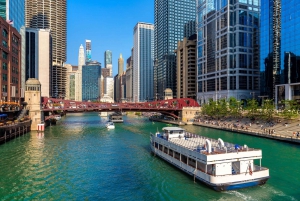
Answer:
[(108, 24)]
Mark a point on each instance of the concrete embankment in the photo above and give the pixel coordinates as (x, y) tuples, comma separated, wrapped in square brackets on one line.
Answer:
[(254, 132), (179, 123)]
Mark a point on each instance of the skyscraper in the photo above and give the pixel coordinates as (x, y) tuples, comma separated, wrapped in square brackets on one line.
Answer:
[(14, 12), (91, 74), (143, 54), (170, 17), (228, 49), (88, 51), (108, 61), (49, 14), (38, 53), (120, 65), (78, 75)]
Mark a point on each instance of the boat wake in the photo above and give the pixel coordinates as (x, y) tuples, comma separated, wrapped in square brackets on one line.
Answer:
[(266, 192)]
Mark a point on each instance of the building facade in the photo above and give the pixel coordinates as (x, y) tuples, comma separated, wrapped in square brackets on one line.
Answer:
[(91, 75), (14, 12), (143, 56), (228, 49), (88, 51), (169, 18), (280, 47), (78, 75), (48, 14), (108, 61), (109, 87), (10, 62), (39, 58), (71, 82), (129, 80), (186, 55)]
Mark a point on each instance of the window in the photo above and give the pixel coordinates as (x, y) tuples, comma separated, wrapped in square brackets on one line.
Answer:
[(4, 33), (4, 55)]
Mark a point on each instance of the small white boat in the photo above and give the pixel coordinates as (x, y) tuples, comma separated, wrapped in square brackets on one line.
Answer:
[(110, 125), (57, 117)]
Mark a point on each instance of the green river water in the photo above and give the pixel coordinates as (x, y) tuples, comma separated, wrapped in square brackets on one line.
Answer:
[(79, 159)]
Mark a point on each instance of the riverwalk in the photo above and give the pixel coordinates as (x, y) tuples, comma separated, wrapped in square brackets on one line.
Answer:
[(278, 130)]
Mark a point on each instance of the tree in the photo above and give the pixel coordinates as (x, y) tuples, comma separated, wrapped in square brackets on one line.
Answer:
[(235, 107), (252, 107), (290, 110), (268, 109)]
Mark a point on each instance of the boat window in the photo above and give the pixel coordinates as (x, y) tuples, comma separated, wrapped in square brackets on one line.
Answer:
[(171, 132), (180, 132)]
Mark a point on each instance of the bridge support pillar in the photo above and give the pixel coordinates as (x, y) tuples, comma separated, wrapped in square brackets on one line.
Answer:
[(33, 99)]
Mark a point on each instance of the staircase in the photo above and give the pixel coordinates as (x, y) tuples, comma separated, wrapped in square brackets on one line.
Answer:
[(22, 114)]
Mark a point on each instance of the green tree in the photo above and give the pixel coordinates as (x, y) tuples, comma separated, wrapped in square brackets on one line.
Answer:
[(252, 106), (235, 109), (290, 110), (268, 109)]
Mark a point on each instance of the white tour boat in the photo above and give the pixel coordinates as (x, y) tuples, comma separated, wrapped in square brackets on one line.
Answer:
[(110, 125), (220, 165), (57, 117)]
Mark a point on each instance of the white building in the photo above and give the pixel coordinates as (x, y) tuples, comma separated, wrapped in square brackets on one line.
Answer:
[(143, 54), (109, 86), (78, 76), (38, 54)]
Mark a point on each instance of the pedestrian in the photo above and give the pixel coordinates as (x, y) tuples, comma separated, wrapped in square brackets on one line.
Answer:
[(298, 134), (269, 131)]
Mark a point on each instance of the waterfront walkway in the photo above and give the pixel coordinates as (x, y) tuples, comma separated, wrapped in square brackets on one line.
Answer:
[(279, 130)]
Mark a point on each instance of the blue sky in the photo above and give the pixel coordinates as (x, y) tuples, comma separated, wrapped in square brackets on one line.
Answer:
[(108, 23)]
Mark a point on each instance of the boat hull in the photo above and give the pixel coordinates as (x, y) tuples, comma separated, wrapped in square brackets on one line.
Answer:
[(221, 187)]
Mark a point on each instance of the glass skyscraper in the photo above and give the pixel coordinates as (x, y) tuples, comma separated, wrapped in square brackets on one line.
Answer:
[(228, 49), (280, 45), (143, 53), (170, 18), (13, 10), (91, 75)]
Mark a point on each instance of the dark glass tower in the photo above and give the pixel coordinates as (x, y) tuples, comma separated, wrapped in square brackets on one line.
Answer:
[(280, 44), (170, 19)]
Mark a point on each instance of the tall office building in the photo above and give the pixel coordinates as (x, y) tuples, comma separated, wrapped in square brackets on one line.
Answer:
[(170, 17), (49, 14), (129, 78), (228, 49), (78, 75), (108, 61), (280, 48), (186, 56), (38, 53), (143, 55), (88, 51), (14, 12), (120, 65), (91, 75), (71, 82)]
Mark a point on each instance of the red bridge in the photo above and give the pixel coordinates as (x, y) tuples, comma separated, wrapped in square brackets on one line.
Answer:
[(170, 107)]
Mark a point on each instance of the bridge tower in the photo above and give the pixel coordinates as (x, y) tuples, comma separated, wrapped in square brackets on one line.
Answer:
[(33, 100)]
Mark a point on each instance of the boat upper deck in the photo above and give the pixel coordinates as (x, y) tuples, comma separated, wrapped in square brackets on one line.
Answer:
[(201, 144)]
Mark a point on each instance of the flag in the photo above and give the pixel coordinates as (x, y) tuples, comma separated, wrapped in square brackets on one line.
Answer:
[(11, 22)]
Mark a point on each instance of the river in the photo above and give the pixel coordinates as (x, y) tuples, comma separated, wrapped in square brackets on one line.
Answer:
[(79, 159)]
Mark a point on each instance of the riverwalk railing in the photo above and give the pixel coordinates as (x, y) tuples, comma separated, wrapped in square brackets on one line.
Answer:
[(250, 131)]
